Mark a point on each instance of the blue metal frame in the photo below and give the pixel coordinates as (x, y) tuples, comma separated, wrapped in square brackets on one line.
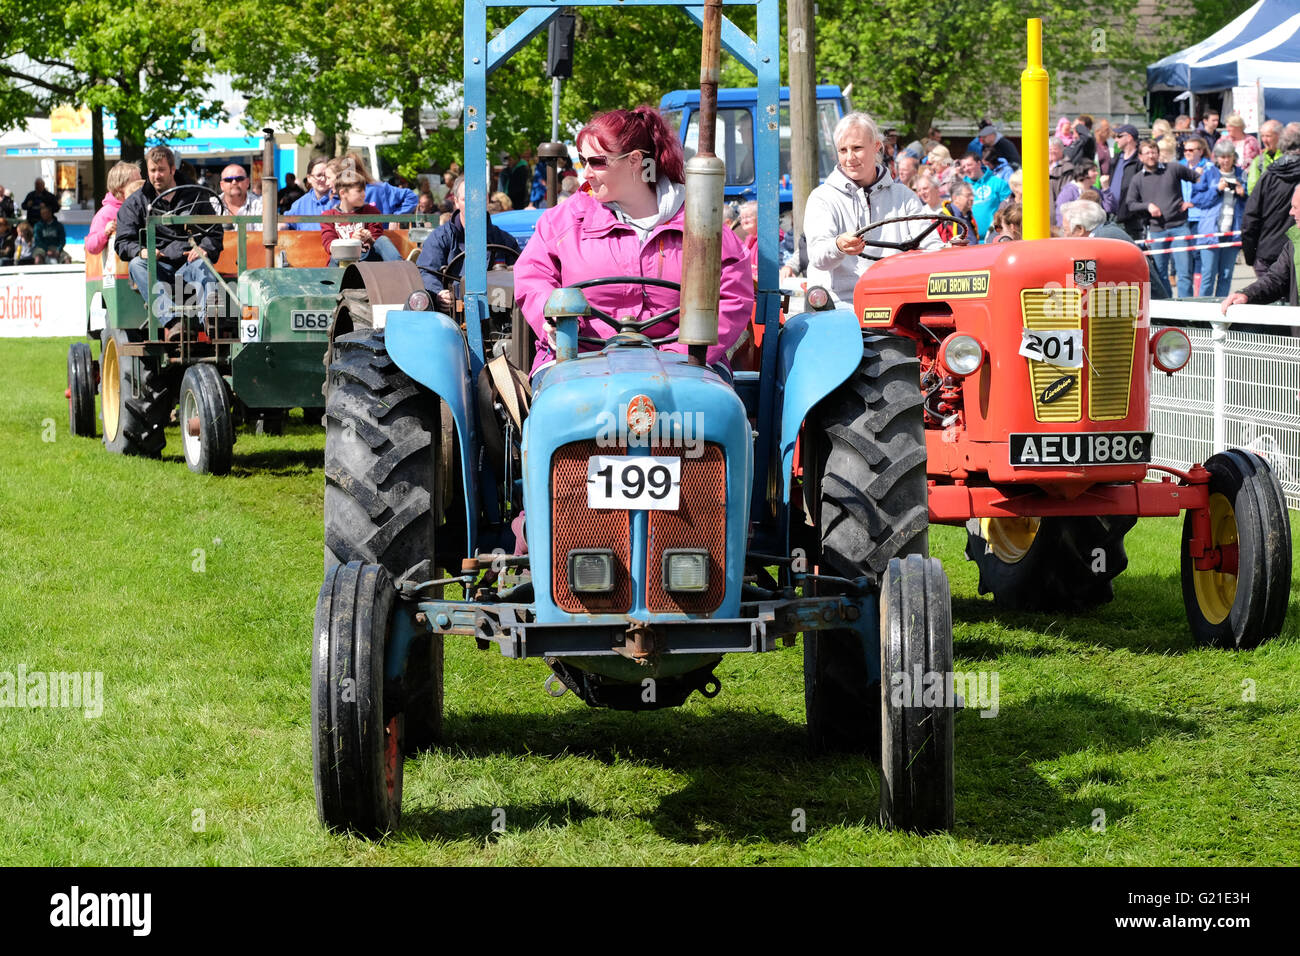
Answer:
[(761, 56)]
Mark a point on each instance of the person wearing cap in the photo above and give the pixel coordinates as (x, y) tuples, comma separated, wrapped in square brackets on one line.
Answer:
[(989, 136), (1123, 168)]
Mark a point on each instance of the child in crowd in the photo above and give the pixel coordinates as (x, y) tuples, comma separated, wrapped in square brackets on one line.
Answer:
[(375, 246), (24, 245)]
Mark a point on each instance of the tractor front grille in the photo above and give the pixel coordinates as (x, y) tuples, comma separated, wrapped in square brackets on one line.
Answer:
[(1112, 314), (1109, 336), (700, 521), (1043, 310), (574, 525)]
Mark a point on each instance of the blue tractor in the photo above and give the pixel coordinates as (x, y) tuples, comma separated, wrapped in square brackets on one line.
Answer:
[(675, 513)]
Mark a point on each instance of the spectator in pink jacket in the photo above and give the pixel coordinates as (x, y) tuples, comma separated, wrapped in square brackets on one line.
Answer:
[(104, 224), (626, 220)]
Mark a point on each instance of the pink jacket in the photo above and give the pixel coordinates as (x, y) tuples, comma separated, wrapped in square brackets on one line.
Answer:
[(96, 241), (582, 239)]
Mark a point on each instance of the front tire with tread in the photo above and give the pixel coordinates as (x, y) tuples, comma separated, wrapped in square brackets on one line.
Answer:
[(1247, 509), (204, 397)]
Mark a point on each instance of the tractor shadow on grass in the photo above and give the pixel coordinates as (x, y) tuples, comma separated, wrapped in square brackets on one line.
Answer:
[(1003, 797), (1146, 617), (750, 776), (751, 779), (268, 463)]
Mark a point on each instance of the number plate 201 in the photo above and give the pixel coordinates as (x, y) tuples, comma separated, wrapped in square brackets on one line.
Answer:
[(1060, 347), (628, 483)]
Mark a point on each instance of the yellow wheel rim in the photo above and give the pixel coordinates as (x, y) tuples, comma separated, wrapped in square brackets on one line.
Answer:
[(1009, 538), (1215, 590), (110, 389)]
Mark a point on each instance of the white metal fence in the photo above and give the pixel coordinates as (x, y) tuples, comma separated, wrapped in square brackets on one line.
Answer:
[(1238, 391)]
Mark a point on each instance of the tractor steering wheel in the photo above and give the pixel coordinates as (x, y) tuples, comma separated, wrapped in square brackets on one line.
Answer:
[(934, 218), (198, 199), (630, 325), (448, 277)]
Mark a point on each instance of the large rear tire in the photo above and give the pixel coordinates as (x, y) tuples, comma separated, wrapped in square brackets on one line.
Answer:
[(916, 760), (81, 391), (356, 722), (1049, 564), (1247, 509), (875, 503), (381, 454), (873, 507), (134, 403)]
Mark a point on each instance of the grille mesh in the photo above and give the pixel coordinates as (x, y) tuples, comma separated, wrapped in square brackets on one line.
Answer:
[(1112, 312), (1045, 309), (699, 522), (574, 525)]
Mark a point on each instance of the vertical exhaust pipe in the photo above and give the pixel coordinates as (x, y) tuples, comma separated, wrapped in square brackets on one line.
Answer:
[(270, 196), (1034, 121), (705, 179)]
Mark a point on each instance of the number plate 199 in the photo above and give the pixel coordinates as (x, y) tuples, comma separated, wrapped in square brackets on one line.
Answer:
[(615, 481)]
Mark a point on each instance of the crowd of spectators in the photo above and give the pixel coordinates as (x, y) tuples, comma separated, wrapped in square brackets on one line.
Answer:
[(1194, 196)]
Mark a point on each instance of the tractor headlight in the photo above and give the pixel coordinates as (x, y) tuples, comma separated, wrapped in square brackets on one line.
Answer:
[(418, 301), (1171, 349), (818, 299), (591, 571), (961, 354), (686, 570)]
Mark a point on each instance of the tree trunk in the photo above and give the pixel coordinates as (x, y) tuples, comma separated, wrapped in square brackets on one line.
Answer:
[(98, 172)]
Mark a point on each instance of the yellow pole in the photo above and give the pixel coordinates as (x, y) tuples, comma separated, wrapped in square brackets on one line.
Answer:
[(1034, 132)]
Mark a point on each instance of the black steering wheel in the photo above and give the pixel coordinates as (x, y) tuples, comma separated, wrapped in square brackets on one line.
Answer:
[(448, 276), (629, 325), (934, 218), (198, 204)]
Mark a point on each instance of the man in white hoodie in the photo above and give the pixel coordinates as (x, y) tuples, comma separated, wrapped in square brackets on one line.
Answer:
[(859, 191)]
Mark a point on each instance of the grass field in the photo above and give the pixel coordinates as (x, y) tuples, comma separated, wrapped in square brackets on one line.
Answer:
[(194, 597)]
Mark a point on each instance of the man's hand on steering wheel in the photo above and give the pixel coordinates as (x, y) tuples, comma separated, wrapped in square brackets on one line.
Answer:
[(907, 245)]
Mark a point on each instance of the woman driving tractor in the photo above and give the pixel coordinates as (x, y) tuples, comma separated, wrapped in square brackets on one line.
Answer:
[(626, 220)]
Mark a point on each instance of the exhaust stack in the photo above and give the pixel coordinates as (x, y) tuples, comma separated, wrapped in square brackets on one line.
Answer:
[(270, 196), (1033, 130), (705, 179)]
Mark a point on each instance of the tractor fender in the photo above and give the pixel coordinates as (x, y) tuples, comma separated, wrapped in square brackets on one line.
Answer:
[(429, 347), (816, 353)]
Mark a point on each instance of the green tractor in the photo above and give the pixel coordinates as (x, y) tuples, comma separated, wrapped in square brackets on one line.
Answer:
[(262, 352)]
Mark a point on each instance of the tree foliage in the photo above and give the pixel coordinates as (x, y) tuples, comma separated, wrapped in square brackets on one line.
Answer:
[(142, 61)]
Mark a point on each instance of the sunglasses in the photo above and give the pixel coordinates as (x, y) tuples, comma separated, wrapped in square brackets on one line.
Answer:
[(602, 162), (233, 179)]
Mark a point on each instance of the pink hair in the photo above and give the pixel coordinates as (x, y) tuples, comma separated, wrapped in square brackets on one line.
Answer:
[(644, 129), (1064, 131)]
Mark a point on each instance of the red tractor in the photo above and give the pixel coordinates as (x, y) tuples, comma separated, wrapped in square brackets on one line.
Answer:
[(1035, 361)]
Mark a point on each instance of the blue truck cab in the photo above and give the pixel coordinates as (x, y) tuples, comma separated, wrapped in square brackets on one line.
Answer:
[(737, 116)]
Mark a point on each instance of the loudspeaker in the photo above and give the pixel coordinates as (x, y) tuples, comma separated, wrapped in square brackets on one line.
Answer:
[(559, 46)]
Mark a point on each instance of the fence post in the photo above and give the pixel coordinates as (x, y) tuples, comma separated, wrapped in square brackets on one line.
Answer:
[(1219, 342)]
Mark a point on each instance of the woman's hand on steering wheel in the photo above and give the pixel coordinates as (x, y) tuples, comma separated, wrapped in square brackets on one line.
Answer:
[(627, 324)]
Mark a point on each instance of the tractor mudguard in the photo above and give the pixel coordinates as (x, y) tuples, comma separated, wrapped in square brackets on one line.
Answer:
[(430, 348), (816, 353)]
